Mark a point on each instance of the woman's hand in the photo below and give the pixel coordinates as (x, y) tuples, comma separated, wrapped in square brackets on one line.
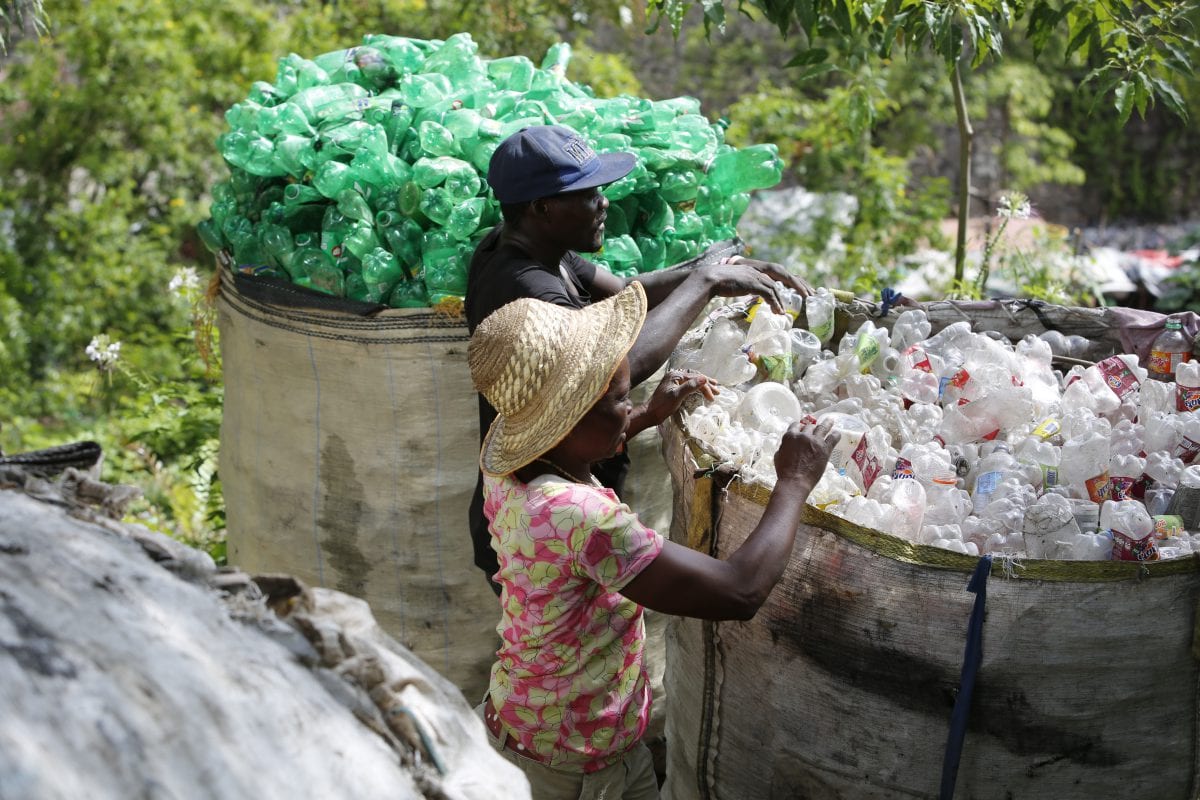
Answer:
[(675, 387), (804, 451)]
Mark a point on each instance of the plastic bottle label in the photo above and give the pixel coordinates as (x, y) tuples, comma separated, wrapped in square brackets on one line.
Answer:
[(1127, 549), (1167, 525), (777, 368), (1098, 488), (1187, 449), (1117, 375), (1050, 426), (1187, 398), (987, 482), (866, 349), (957, 380), (1164, 362), (868, 465), (903, 469), (1121, 487), (1049, 476), (920, 360)]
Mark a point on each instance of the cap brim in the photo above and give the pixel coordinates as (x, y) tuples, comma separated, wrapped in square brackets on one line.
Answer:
[(613, 167), (608, 330)]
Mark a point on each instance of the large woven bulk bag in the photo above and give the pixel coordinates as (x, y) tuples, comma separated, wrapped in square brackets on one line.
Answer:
[(842, 686), (349, 451)]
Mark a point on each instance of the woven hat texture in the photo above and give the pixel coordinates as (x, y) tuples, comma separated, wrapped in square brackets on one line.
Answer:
[(543, 366)]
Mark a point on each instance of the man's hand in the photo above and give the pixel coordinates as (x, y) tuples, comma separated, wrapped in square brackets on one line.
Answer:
[(675, 387), (775, 272), (733, 277)]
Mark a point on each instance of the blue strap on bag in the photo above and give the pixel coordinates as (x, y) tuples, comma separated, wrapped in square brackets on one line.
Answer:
[(972, 658)]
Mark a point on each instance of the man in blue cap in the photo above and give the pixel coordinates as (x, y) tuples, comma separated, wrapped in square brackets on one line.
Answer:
[(548, 181)]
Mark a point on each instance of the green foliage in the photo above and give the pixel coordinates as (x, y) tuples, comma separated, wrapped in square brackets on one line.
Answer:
[(18, 15), (895, 215)]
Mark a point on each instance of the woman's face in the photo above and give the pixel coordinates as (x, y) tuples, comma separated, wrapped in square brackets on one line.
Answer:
[(601, 432)]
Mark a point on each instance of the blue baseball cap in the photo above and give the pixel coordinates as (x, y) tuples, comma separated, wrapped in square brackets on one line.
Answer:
[(546, 160)]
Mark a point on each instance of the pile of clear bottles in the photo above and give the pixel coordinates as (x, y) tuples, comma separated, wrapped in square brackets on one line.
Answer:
[(958, 439)]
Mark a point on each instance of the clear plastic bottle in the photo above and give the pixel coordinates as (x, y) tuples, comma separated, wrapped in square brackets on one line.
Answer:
[(1169, 350), (1132, 530), (1187, 386)]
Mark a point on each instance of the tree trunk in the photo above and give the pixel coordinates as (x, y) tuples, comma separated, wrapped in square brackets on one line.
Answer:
[(965, 137)]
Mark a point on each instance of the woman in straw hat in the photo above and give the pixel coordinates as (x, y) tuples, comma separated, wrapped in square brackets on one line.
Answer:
[(568, 701)]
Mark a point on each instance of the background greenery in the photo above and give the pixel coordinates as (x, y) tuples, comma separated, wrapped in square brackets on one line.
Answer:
[(108, 119)]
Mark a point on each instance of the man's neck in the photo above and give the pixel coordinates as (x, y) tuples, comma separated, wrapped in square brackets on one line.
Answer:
[(548, 255)]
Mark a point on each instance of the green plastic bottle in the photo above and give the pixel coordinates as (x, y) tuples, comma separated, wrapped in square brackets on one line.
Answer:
[(314, 269), (210, 234), (352, 206), (294, 74), (437, 205), (679, 185), (653, 250), (403, 237), (423, 90), (293, 154), (333, 177), (360, 239), (277, 244), (409, 294), (298, 193), (404, 54), (436, 139), (740, 171), (557, 58), (622, 254), (514, 73), (464, 218), (250, 151), (381, 270)]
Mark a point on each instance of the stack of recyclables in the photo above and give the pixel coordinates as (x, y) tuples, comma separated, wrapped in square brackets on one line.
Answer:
[(361, 173), (958, 439), (1087, 679)]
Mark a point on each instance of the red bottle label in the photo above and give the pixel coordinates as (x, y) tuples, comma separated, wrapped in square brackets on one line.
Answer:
[(1126, 549), (1117, 375), (868, 465), (1187, 398)]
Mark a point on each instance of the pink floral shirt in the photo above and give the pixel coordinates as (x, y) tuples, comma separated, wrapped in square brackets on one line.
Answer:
[(568, 682)]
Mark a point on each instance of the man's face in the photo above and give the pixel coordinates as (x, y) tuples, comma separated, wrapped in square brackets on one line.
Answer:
[(578, 217)]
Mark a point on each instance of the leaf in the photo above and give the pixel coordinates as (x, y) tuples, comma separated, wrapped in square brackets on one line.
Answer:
[(1170, 96), (1082, 36), (1124, 100), (1120, 10), (808, 73), (1177, 58), (804, 58)]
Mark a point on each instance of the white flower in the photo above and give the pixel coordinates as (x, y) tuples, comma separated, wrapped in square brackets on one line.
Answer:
[(184, 282), (626, 16), (103, 351), (1014, 206)]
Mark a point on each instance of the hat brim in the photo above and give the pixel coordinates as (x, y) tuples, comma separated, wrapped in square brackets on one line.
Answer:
[(603, 337), (613, 167)]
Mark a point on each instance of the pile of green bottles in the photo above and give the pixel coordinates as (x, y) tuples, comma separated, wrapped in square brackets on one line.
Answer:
[(359, 172)]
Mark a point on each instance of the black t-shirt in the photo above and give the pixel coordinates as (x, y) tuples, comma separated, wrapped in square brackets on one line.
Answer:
[(500, 273)]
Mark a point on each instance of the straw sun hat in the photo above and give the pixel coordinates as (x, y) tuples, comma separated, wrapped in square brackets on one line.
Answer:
[(543, 366)]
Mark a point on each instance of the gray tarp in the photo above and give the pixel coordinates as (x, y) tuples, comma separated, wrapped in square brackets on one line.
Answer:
[(131, 668)]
